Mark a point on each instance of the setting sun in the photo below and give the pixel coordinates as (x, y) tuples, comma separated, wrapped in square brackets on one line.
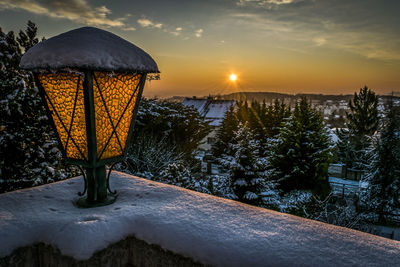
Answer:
[(233, 77)]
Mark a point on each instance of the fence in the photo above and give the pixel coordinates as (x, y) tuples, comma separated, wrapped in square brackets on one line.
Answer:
[(344, 189)]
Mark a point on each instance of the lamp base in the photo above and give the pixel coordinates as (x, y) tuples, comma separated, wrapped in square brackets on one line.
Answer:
[(84, 203)]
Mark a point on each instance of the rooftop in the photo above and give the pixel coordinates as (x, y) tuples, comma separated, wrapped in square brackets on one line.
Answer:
[(211, 109)]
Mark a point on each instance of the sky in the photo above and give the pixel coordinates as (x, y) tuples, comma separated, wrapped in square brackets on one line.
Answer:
[(286, 46)]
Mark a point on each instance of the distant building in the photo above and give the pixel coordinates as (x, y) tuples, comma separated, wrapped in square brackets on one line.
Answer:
[(213, 112)]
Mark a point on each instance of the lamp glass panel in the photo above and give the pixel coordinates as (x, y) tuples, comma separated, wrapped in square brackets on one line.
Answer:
[(64, 97), (115, 97)]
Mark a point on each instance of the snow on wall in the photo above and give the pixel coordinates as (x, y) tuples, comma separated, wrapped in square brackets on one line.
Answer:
[(209, 229), (88, 47)]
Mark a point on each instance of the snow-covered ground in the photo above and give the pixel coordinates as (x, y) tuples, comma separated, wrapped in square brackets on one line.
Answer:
[(209, 229)]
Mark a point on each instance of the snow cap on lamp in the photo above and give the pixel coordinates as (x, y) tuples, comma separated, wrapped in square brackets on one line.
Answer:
[(88, 48)]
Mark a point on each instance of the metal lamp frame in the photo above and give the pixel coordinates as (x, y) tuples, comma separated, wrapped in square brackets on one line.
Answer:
[(95, 178)]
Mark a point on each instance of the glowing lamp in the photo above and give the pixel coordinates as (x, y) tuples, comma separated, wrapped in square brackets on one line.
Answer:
[(91, 82)]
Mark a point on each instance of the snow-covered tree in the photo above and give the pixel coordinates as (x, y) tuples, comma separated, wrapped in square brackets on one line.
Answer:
[(263, 121), (225, 133), (165, 137), (362, 122), (28, 147), (177, 174), (243, 165), (382, 196), (275, 116), (148, 157), (331, 210), (219, 185), (302, 152), (178, 125), (363, 115)]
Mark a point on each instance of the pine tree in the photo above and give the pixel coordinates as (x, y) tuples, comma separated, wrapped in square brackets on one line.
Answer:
[(345, 147), (274, 117), (28, 38), (177, 174), (28, 148), (302, 151), (174, 123), (383, 174), (246, 182), (363, 115), (362, 123), (225, 133), (164, 133)]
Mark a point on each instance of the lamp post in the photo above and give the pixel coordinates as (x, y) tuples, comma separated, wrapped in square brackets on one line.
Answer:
[(91, 82)]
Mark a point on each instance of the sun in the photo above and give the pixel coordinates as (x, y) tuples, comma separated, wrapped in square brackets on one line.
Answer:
[(233, 77)]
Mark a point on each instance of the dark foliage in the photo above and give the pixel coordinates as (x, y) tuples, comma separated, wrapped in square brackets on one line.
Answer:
[(302, 152), (28, 150), (383, 173)]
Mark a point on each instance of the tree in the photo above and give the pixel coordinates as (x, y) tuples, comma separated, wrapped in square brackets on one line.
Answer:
[(165, 133), (243, 166), (383, 174), (148, 157), (265, 122), (363, 116), (362, 123), (302, 152), (28, 147), (224, 135), (28, 38), (180, 126), (275, 116), (177, 174)]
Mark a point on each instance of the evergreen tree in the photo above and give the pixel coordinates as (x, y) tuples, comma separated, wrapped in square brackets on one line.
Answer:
[(363, 116), (256, 112), (165, 133), (345, 147), (362, 123), (246, 183), (272, 118), (27, 38), (243, 112), (225, 133), (174, 123), (276, 114), (177, 174), (302, 152), (383, 175), (28, 148)]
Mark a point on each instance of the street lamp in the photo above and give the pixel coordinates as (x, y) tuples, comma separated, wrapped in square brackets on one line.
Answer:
[(91, 82)]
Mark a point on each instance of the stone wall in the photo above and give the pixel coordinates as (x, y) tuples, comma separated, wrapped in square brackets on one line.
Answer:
[(128, 252)]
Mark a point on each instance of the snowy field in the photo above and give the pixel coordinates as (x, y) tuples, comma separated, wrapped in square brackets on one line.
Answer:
[(208, 229)]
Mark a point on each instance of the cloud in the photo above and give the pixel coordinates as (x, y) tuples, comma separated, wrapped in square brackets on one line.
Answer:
[(265, 3), (278, 2), (319, 41), (177, 31), (146, 23), (75, 10), (361, 29), (198, 33), (129, 29)]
